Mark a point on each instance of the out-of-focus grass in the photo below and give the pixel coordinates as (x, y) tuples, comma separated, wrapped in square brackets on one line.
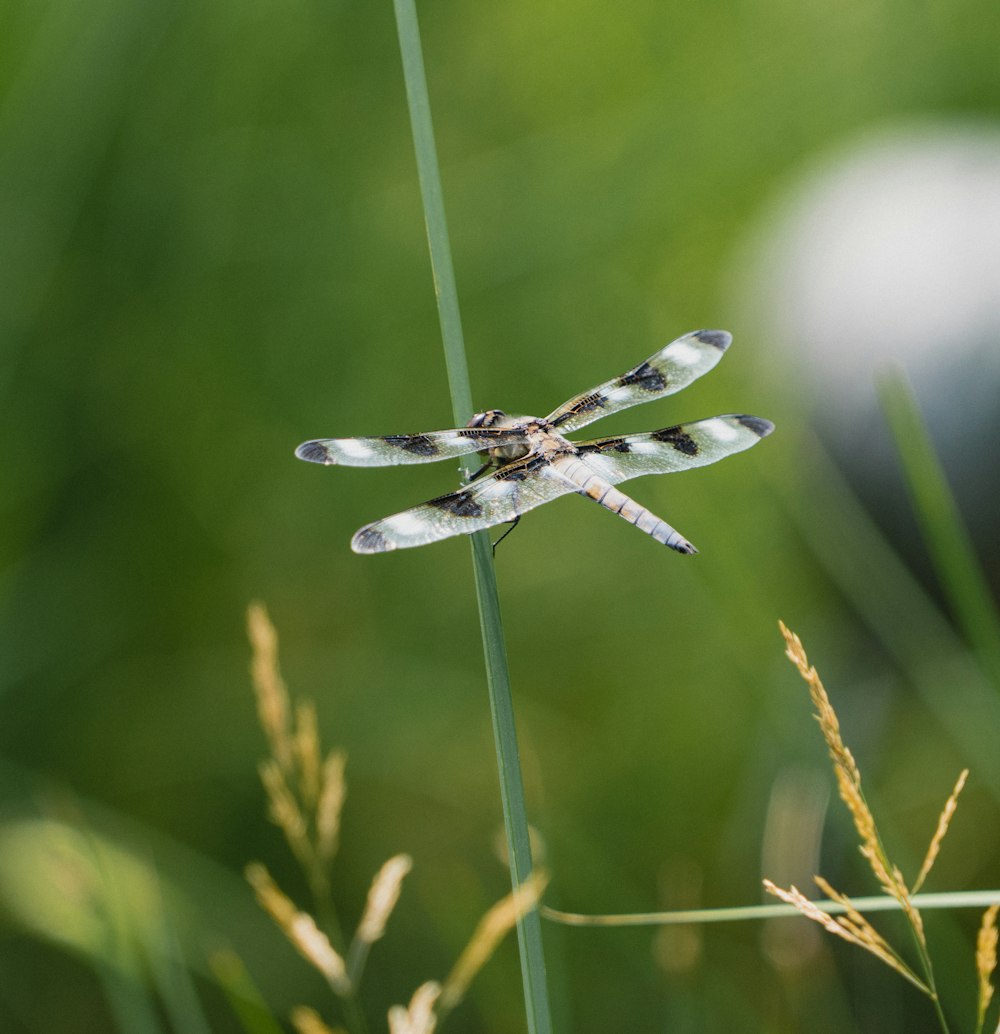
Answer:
[(962, 579), (897, 610)]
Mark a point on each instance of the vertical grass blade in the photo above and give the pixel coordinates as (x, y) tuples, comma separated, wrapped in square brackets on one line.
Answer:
[(947, 540), (244, 998), (434, 218), (890, 601), (172, 979), (529, 931)]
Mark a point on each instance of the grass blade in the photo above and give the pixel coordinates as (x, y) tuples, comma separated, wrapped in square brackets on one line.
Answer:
[(894, 605), (947, 540), (434, 218), (244, 998), (529, 931), (876, 903)]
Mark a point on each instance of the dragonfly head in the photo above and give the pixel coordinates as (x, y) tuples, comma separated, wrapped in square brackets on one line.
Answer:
[(491, 418)]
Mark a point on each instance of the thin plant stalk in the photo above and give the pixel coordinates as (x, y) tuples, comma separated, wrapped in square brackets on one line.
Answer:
[(945, 534), (876, 903), (244, 998), (529, 931)]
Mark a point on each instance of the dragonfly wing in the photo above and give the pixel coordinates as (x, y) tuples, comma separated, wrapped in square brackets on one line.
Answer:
[(511, 491), (393, 449), (673, 448), (674, 367)]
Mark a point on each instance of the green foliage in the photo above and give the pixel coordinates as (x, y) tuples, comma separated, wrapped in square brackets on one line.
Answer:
[(948, 542), (212, 249)]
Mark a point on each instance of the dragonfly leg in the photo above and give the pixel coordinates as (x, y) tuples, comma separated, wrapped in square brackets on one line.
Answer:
[(478, 473), (513, 525)]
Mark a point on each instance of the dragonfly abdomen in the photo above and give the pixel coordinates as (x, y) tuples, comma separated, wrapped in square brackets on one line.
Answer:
[(603, 492)]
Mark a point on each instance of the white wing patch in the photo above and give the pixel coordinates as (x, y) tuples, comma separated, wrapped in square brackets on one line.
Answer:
[(405, 524), (355, 448), (616, 396), (721, 430), (685, 354), (643, 449)]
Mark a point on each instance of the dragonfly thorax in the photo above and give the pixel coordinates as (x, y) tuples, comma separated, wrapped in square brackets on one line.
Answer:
[(498, 455)]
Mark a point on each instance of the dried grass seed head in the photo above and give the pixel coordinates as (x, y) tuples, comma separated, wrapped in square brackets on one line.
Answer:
[(270, 688), (382, 897), (300, 928), (986, 961), (333, 793), (492, 928), (419, 1016), (308, 1021), (944, 821)]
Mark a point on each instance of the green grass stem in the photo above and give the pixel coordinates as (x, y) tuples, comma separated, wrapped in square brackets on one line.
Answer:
[(172, 978), (129, 998), (893, 604), (497, 672), (433, 200), (242, 993), (944, 533), (874, 903)]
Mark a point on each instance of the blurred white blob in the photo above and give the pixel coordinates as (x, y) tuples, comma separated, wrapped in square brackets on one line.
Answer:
[(889, 251)]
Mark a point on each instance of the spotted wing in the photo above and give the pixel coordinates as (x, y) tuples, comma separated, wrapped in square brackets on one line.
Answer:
[(406, 448), (672, 448), (674, 367), (511, 491)]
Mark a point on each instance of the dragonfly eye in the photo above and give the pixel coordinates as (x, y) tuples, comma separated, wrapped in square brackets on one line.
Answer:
[(488, 419)]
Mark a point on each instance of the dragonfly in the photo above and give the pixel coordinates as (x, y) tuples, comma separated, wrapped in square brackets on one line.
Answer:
[(530, 461)]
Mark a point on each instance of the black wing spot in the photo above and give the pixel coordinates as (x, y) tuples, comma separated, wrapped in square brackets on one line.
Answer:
[(644, 376), (314, 452), (760, 427), (461, 504), (721, 339), (678, 439), (418, 444), (371, 540)]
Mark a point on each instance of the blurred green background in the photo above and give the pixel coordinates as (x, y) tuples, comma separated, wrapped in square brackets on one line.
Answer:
[(211, 247)]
